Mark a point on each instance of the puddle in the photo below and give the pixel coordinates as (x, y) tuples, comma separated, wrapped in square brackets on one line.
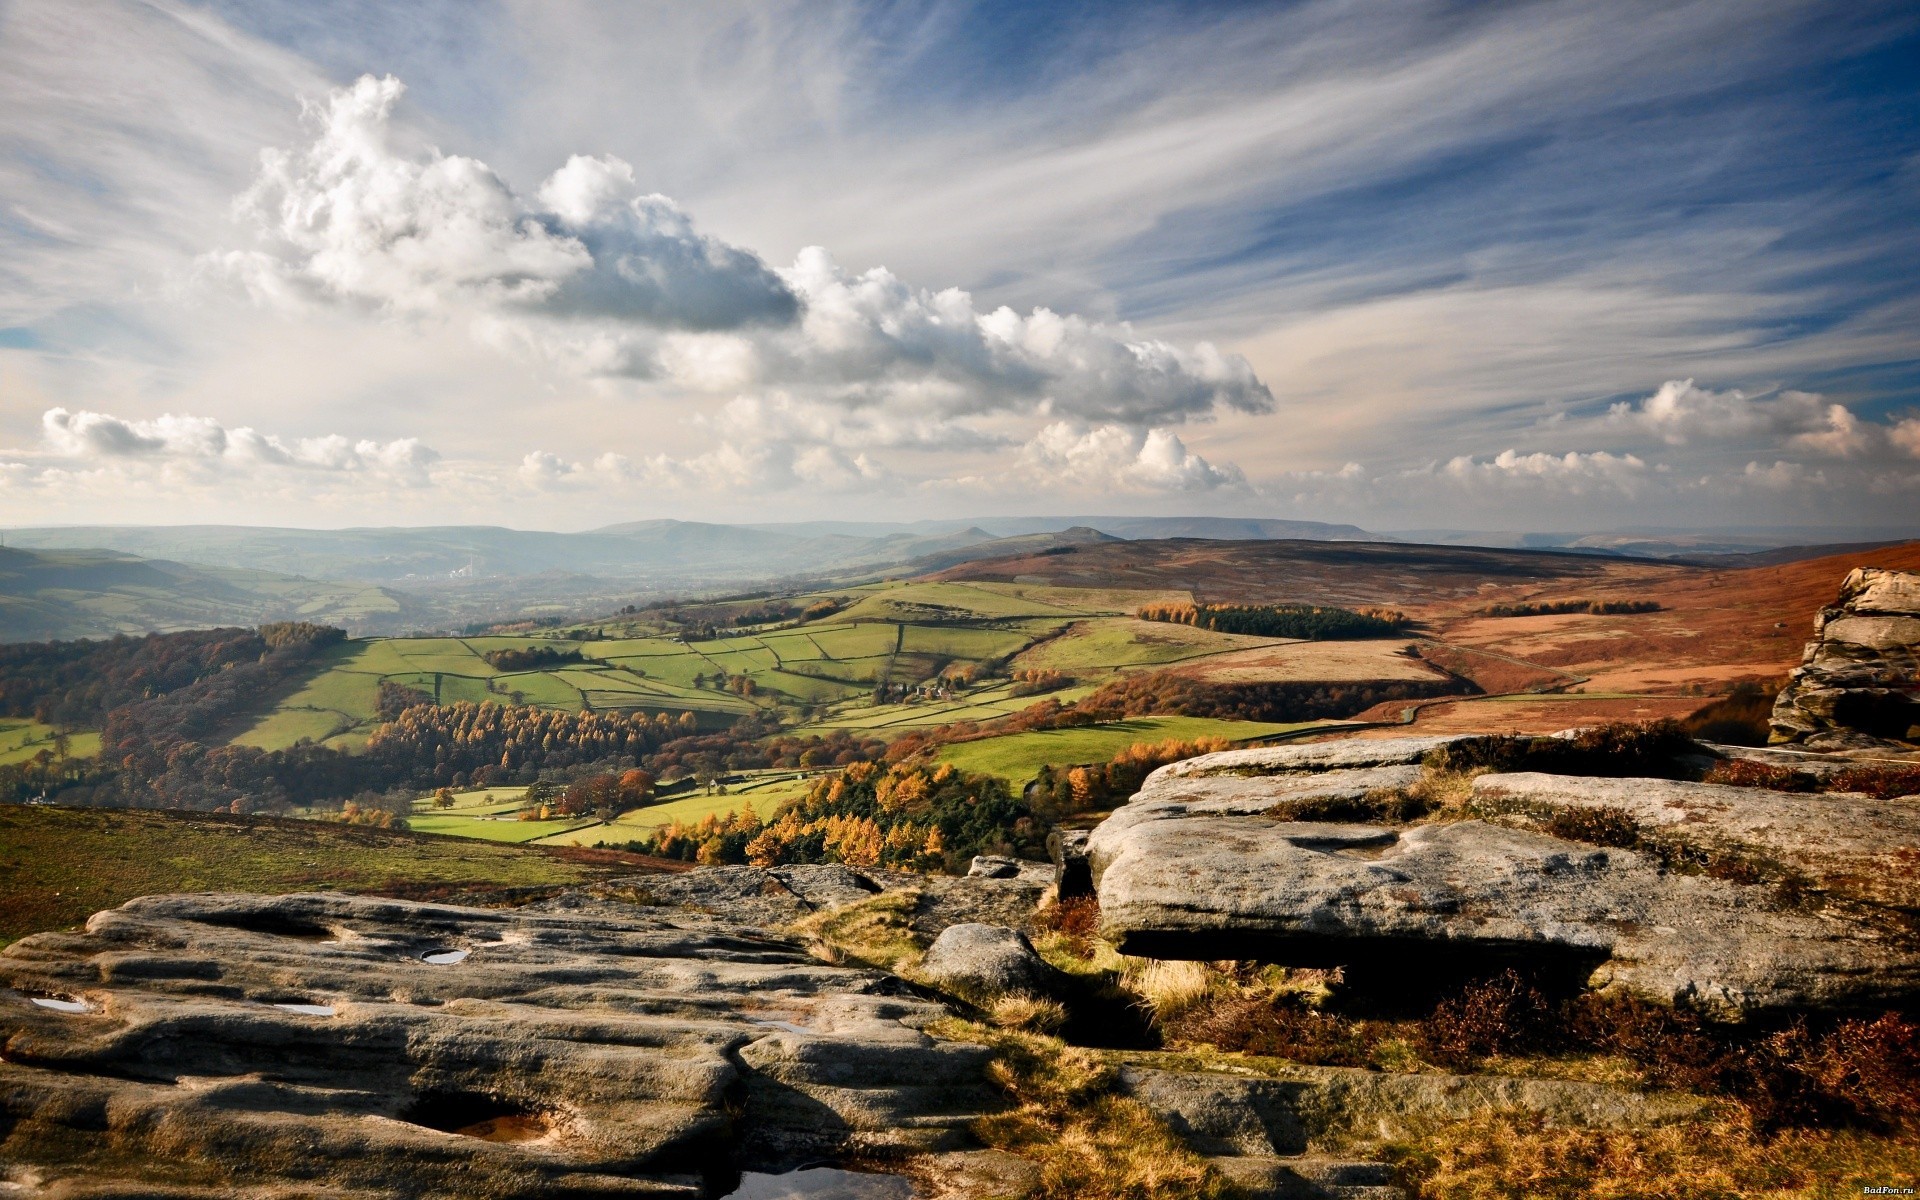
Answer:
[(821, 1183), (275, 925), (471, 1114), (441, 958), (789, 1026), (61, 1004), (311, 1010)]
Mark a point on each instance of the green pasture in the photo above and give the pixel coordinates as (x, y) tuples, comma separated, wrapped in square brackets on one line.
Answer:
[(21, 738), (1116, 643), (506, 828), (1018, 757), (765, 800)]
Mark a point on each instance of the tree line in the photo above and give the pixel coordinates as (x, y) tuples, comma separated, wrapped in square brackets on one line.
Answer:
[(1309, 621), (1542, 608), (910, 816)]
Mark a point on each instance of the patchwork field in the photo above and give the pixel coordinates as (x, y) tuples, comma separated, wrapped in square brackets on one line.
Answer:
[(901, 634)]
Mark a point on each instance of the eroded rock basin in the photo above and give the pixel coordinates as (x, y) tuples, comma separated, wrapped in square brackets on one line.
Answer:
[(219, 1044)]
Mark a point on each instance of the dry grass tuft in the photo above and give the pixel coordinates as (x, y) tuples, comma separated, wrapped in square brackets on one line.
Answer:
[(1514, 1158), (1091, 1142), (1170, 987), (1031, 1014), (874, 933)]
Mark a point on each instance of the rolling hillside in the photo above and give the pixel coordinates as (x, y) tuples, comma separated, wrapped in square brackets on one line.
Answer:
[(64, 594)]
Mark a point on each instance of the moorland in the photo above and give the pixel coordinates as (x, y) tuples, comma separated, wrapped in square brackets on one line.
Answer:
[(868, 766)]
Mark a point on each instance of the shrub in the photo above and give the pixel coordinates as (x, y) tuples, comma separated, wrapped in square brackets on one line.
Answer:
[(1486, 1018), (1652, 749), (1602, 825), (1740, 718)]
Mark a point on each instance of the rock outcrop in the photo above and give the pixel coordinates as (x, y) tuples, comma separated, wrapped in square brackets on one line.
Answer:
[(343, 1046), (982, 962), (1199, 865), (1858, 686)]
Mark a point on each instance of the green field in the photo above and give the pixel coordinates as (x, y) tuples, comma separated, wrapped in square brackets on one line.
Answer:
[(60, 865), (764, 800), (22, 738), (1018, 757)]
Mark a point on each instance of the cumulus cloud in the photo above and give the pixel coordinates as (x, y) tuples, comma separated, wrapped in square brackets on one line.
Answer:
[(735, 467), (1574, 472), (1109, 455), (1680, 412), (1781, 477), (1905, 437), (595, 275), (347, 217), (81, 437)]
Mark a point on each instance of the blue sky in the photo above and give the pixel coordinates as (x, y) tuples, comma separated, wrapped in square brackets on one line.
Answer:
[(1500, 266)]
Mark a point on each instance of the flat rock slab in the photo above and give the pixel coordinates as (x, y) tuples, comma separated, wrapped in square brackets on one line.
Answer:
[(1313, 756), (1217, 877), (1864, 847), (338, 1045)]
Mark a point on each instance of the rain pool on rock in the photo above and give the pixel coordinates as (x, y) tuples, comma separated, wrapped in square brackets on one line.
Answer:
[(821, 1183)]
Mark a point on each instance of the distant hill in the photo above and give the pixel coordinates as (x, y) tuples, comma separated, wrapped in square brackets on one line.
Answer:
[(661, 555), (1311, 572), (63, 594)]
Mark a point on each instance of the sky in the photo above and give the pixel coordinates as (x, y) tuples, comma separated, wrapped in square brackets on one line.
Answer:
[(561, 263)]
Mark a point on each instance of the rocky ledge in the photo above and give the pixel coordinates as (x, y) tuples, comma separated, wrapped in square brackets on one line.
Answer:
[(324, 1045), (1209, 860)]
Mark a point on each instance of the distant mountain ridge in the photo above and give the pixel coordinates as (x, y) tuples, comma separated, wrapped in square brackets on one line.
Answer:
[(656, 553)]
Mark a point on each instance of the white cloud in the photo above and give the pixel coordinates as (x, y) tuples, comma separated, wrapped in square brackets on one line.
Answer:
[(1107, 456), (1781, 476), (1574, 472), (1905, 436), (603, 280), (347, 217), (1680, 412), (79, 438)]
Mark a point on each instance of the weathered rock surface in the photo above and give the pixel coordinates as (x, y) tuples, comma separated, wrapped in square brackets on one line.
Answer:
[(1186, 873), (340, 1046), (981, 962), (770, 897), (1858, 685), (993, 866), (1850, 843)]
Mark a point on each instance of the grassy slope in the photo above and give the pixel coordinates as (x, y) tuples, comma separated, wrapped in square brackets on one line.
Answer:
[(59, 865), (1018, 757)]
